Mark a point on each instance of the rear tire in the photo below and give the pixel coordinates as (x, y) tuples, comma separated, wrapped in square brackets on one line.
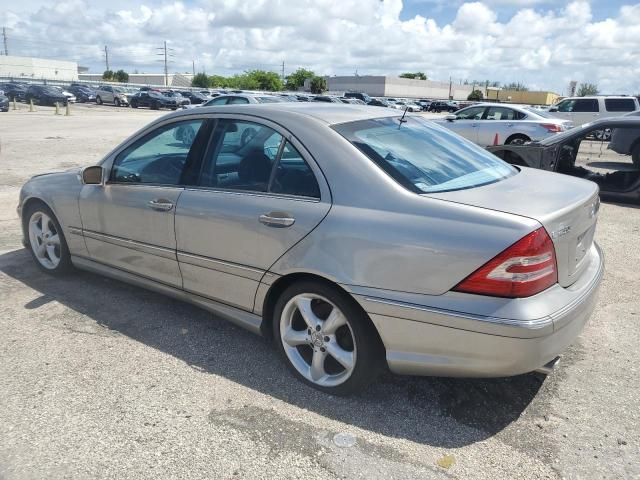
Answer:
[(46, 240), (334, 347), (517, 139)]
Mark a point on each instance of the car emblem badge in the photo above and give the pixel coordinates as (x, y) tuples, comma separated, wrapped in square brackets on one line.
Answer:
[(560, 232)]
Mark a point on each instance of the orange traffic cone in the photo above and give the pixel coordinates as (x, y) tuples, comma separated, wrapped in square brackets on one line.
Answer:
[(495, 140)]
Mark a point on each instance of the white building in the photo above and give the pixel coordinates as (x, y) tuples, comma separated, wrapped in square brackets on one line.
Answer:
[(382, 86), (153, 79), (37, 68)]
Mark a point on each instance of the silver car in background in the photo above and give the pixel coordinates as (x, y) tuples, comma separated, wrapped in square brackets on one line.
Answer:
[(352, 236), (496, 124), (111, 94)]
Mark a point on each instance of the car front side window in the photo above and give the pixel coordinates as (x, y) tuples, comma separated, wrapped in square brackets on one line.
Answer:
[(566, 106), (158, 158), (473, 113)]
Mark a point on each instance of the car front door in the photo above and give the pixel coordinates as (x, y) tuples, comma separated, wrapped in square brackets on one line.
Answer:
[(128, 221), (466, 122), (258, 194)]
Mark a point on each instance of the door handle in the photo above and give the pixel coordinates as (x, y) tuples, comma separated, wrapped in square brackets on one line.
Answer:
[(277, 219), (160, 204)]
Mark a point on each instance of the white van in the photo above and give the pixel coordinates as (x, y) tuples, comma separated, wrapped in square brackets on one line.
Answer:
[(581, 110)]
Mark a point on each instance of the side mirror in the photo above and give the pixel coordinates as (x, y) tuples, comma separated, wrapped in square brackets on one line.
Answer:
[(450, 118), (92, 175), (553, 109)]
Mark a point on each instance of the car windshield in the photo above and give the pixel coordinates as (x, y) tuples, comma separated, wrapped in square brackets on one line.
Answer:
[(118, 90), (424, 157)]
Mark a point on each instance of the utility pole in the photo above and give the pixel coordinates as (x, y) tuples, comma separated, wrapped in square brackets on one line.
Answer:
[(193, 64), (450, 97), (4, 38), (166, 52), (106, 56), (283, 71)]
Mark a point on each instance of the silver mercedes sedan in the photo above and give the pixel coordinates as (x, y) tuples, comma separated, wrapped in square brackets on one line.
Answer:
[(353, 237)]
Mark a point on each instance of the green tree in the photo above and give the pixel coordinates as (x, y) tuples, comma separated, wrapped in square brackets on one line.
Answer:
[(318, 84), (414, 76), (516, 86), (297, 78), (476, 96), (107, 75), (121, 76), (587, 89), (269, 81), (218, 81), (200, 80)]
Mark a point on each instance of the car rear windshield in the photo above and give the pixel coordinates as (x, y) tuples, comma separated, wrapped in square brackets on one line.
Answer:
[(424, 157)]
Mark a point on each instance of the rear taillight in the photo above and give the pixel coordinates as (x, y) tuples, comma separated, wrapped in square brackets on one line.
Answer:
[(525, 268), (552, 127)]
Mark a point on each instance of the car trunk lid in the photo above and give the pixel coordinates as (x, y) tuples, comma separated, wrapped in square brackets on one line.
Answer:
[(567, 207)]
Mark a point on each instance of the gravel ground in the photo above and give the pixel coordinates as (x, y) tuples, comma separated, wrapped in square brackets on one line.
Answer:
[(102, 380)]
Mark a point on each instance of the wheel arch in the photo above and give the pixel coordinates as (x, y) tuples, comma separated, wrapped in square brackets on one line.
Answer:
[(278, 287), (25, 206)]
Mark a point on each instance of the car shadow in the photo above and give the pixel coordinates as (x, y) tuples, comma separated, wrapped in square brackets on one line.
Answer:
[(619, 166), (442, 412)]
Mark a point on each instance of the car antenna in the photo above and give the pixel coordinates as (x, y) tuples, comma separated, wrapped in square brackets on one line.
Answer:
[(402, 120)]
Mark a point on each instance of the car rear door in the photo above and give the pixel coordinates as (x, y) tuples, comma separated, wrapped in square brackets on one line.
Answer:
[(258, 194), (498, 124), (128, 222)]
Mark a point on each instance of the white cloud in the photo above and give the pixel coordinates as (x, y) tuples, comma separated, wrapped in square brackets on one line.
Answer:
[(544, 44)]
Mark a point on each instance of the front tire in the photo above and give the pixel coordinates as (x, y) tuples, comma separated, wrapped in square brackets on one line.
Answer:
[(98, 100), (326, 340), (47, 243), (117, 102)]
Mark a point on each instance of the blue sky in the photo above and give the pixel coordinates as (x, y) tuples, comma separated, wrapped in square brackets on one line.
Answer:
[(444, 11)]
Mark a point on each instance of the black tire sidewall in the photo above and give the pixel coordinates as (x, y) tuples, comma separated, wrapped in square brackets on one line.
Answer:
[(370, 353), (514, 137), (65, 264), (635, 155)]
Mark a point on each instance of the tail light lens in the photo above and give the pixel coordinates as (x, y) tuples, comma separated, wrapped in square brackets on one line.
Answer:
[(525, 268), (553, 127)]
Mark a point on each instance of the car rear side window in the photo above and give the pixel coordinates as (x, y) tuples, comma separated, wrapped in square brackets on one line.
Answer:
[(158, 158), (293, 176), (423, 157), (619, 104), (503, 113), (586, 105)]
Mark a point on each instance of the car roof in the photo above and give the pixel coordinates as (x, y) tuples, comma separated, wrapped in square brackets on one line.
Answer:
[(329, 113)]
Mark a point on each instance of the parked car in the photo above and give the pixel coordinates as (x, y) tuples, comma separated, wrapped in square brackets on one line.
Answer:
[(443, 106), (110, 94), (4, 103), (581, 110), (45, 95), (71, 98), (242, 98), (177, 96), (153, 99), (15, 91), (196, 98), (494, 124), (326, 99), (83, 94), (444, 271), (378, 102), (558, 153), (408, 106), (626, 141), (359, 95), (424, 103), (351, 101)]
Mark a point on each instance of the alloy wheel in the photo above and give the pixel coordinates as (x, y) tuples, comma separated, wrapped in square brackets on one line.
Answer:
[(45, 240), (318, 340)]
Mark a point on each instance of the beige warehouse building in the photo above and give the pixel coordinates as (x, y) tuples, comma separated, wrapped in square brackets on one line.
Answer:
[(29, 68)]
